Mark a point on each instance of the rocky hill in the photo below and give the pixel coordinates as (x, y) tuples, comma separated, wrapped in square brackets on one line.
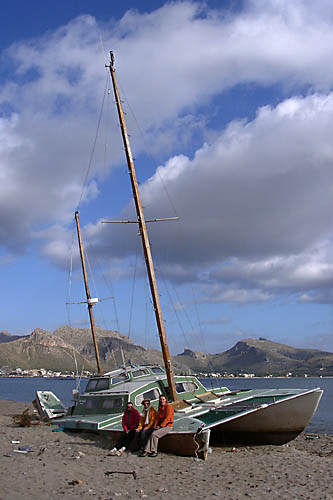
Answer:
[(68, 349), (262, 357), (7, 337), (71, 349)]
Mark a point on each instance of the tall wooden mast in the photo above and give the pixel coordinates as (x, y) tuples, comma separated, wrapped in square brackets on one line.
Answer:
[(89, 300), (144, 237)]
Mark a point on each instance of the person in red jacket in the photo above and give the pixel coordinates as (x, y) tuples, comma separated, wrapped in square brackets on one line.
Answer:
[(162, 427), (130, 422)]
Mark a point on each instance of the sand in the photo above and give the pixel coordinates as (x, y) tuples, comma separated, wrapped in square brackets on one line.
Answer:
[(71, 465)]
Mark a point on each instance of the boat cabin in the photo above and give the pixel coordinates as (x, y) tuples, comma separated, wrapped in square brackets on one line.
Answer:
[(110, 393)]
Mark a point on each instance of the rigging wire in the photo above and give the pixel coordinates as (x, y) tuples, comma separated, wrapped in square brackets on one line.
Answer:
[(109, 285), (70, 281), (202, 337), (171, 301), (146, 148), (88, 247), (107, 129), (101, 41), (146, 312), (163, 185), (106, 91), (133, 287), (93, 148)]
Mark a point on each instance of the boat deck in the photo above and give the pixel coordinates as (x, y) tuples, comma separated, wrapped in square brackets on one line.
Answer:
[(204, 412)]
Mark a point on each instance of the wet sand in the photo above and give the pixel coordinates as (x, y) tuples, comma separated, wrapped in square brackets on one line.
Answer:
[(72, 466)]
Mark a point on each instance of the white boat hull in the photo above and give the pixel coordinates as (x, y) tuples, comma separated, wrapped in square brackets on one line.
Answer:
[(276, 423), (49, 405)]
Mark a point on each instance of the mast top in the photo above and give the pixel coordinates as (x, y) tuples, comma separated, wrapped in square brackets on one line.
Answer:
[(111, 60)]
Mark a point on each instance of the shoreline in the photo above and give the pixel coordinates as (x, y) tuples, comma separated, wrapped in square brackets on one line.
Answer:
[(73, 465), (74, 377)]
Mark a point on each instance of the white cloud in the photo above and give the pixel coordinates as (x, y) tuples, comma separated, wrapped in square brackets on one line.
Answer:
[(254, 202), (255, 205)]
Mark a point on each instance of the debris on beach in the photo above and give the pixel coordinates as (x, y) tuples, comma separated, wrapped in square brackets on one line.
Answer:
[(312, 436), (25, 448), (25, 419), (133, 473), (60, 428), (74, 482)]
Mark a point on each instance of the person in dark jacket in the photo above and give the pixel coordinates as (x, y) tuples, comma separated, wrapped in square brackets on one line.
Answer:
[(130, 422)]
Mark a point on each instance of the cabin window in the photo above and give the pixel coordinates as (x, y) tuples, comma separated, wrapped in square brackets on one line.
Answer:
[(91, 403), (190, 386), (112, 403), (140, 373), (153, 394), (97, 384), (157, 369), (120, 378), (186, 387)]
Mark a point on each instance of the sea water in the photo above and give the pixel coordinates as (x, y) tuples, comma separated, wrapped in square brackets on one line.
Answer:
[(24, 389)]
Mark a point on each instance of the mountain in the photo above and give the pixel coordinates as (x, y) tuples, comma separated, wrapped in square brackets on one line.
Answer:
[(262, 357), (41, 349), (71, 349), (8, 337)]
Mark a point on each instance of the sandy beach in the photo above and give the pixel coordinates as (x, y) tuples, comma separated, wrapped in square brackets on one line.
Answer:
[(70, 465)]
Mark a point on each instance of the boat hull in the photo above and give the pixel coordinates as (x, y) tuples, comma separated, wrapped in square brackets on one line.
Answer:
[(185, 444), (222, 417), (275, 424), (49, 406)]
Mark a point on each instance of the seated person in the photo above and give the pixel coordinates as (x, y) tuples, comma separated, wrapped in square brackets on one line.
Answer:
[(130, 422), (146, 424), (162, 427)]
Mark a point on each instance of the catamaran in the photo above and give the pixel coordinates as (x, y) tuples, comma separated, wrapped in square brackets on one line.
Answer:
[(219, 416)]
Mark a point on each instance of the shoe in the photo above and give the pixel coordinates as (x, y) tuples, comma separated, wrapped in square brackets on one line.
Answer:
[(143, 454), (152, 454), (114, 452)]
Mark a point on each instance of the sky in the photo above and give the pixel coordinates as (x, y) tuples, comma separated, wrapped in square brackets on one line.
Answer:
[(229, 105)]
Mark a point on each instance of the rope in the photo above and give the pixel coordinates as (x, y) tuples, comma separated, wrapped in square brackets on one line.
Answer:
[(197, 446)]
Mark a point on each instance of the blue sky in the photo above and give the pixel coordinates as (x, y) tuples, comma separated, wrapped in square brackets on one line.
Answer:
[(230, 110)]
